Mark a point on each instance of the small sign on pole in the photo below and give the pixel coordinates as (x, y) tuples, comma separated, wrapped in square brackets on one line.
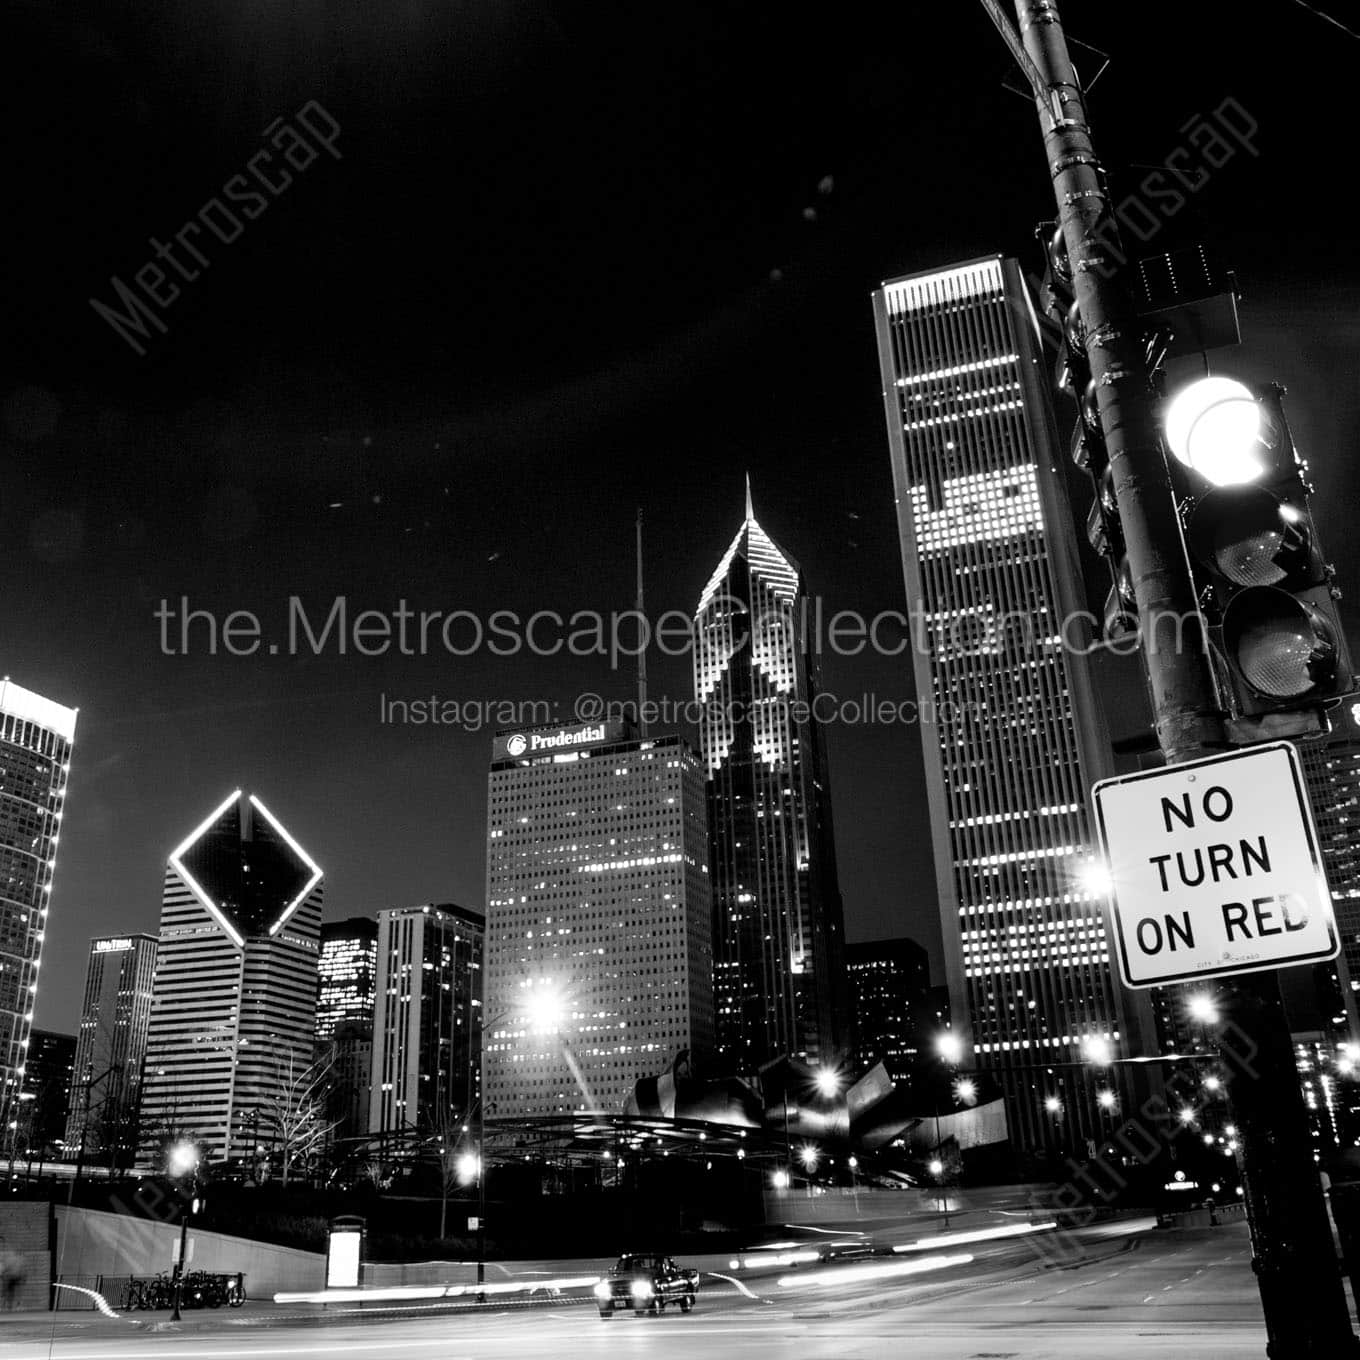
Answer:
[(1214, 868)]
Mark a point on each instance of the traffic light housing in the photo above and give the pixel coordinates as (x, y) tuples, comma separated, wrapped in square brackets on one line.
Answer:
[(1264, 586)]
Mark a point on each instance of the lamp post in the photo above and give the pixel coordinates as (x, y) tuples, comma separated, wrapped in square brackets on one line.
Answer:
[(182, 1166)]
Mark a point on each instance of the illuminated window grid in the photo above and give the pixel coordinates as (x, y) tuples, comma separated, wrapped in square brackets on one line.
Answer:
[(1035, 962), (36, 737), (598, 882)]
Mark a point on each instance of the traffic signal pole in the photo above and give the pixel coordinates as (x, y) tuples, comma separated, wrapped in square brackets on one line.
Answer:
[(1306, 1312)]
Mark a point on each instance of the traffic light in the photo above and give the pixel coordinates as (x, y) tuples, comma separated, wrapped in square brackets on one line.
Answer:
[(1264, 586)]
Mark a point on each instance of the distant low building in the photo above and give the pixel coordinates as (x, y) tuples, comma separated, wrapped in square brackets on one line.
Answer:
[(889, 989), (47, 1086)]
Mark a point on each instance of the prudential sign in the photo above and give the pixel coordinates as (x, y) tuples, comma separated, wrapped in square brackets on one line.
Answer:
[(551, 740), (1214, 868)]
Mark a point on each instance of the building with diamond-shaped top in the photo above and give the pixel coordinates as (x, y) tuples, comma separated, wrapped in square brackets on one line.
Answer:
[(233, 1006), (779, 982)]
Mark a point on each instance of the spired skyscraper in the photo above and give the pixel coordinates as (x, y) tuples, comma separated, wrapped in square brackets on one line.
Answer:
[(994, 587), (233, 1006), (35, 758), (778, 937)]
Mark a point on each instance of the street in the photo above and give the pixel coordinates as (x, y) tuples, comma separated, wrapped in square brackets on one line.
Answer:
[(1132, 1292)]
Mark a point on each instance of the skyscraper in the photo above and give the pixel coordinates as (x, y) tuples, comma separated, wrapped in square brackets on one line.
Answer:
[(889, 989), (35, 758), (425, 1030), (1331, 770), (49, 1086), (111, 1043), (599, 966), (778, 935), (233, 1005), (993, 588), (346, 972)]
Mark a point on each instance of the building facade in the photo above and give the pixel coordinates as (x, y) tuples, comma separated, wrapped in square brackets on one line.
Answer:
[(115, 1017), (778, 934), (346, 974), (1331, 769), (426, 1031), (49, 1088), (599, 913), (35, 760), (889, 990), (233, 1005), (994, 596)]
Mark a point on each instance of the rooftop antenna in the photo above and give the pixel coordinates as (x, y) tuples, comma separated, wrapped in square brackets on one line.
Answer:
[(750, 512), (642, 650)]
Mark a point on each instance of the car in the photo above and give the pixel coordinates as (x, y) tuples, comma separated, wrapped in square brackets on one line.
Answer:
[(646, 1282)]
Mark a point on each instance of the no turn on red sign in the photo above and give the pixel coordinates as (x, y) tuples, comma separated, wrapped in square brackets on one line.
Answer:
[(1214, 868)]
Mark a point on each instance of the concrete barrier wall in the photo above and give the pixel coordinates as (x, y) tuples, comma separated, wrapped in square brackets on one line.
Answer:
[(93, 1244), (25, 1255)]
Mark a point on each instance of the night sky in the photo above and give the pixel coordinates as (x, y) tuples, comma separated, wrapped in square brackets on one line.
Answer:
[(571, 260)]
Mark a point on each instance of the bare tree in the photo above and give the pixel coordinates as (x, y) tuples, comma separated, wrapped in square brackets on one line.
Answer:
[(297, 1114)]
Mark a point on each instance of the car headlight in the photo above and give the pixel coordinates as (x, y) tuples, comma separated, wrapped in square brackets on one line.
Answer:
[(641, 1289), (602, 1289)]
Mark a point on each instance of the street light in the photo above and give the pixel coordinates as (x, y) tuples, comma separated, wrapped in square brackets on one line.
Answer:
[(1107, 1100), (181, 1163), (1203, 1008), (1052, 1104), (949, 1047), (828, 1082)]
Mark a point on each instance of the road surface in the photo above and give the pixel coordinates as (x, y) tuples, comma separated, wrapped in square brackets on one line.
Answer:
[(1120, 1292)]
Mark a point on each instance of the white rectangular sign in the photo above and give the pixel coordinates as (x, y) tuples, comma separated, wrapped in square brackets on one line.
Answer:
[(1214, 868)]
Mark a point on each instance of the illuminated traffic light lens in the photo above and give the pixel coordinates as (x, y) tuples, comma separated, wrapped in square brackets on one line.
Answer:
[(1282, 647), (1248, 535), (1214, 427)]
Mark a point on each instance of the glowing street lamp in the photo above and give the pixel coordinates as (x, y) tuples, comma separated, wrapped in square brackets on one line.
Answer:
[(1098, 1050), (1052, 1104), (1107, 1100), (936, 1167), (181, 1164), (780, 1179), (828, 1082), (966, 1091), (1203, 1008), (949, 1048), (544, 1009)]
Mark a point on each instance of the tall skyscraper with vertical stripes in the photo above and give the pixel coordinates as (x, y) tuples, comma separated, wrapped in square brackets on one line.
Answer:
[(778, 937), (999, 643), (426, 1030), (233, 1005), (111, 1045), (35, 758)]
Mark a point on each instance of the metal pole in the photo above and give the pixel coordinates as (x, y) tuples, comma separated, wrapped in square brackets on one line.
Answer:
[(179, 1260), (481, 1195), (1302, 1295)]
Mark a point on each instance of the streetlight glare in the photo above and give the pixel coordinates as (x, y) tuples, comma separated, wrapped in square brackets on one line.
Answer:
[(828, 1081), (182, 1159), (469, 1164), (544, 1009), (1098, 1050), (808, 1157), (1203, 1008), (1095, 878), (965, 1091), (936, 1167), (949, 1047), (780, 1180), (1107, 1100), (1213, 426), (1052, 1104), (1186, 1115)]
